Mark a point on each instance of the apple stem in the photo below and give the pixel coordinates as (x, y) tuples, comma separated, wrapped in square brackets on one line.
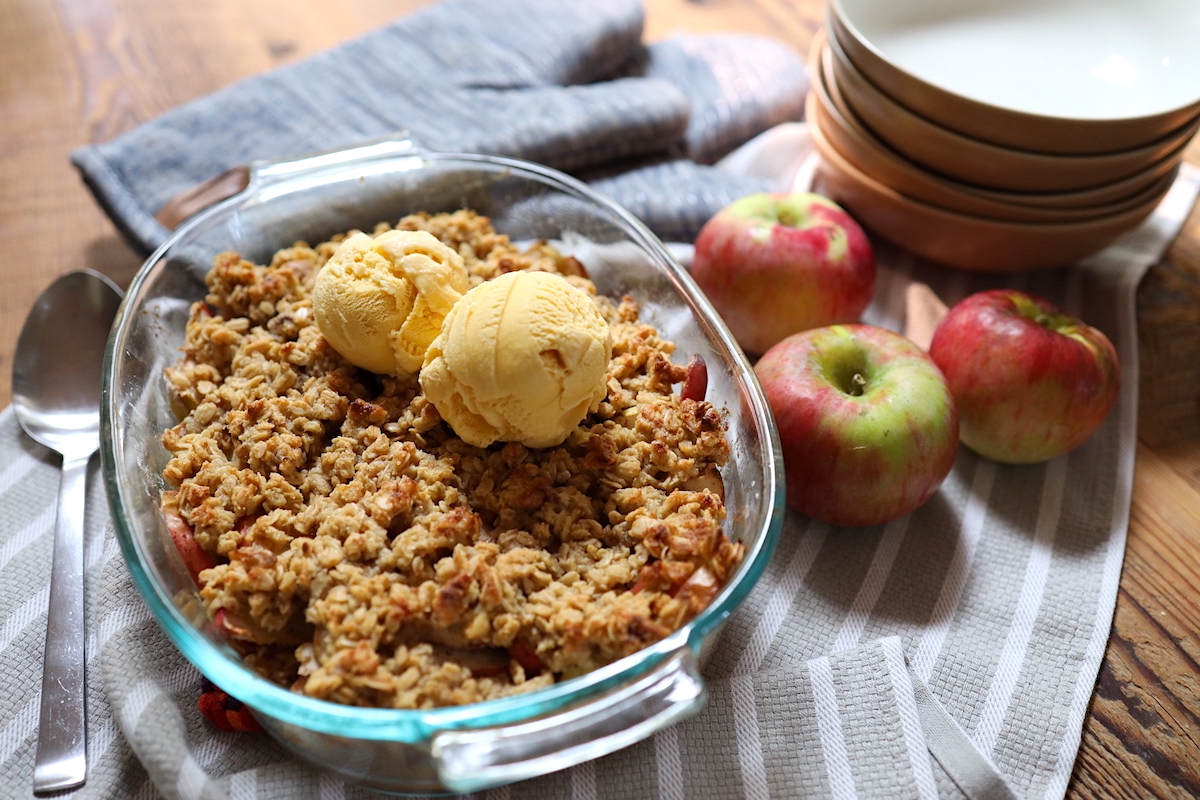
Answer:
[(857, 384)]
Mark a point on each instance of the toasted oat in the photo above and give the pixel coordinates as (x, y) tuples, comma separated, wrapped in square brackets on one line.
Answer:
[(355, 549)]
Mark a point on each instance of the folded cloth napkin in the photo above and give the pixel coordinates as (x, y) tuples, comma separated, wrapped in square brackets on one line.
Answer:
[(566, 84), (950, 653)]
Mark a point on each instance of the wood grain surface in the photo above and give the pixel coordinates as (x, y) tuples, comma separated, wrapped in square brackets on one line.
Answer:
[(78, 71)]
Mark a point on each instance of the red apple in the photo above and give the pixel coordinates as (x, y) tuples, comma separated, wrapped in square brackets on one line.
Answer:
[(868, 426), (777, 264), (1031, 381)]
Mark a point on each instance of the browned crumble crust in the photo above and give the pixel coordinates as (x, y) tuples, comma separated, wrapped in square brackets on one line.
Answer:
[(359, 552)]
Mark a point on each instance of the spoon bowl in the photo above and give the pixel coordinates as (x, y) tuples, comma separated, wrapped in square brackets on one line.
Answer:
[(56, 397), (59, 355)]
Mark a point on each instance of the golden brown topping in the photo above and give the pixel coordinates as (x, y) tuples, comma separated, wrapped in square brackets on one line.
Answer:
[(356, 549)]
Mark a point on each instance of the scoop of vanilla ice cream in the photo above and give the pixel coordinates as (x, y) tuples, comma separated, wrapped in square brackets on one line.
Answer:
[(521, 358), (381, 301)]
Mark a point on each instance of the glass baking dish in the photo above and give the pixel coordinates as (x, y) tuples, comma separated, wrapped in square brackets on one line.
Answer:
[(462, 748)]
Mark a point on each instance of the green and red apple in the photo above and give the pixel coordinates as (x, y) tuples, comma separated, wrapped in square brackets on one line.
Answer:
[(774, 264), (868, 426), (1031, 382)]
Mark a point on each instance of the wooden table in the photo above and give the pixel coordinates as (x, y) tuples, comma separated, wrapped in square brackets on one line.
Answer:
[(77, 71)]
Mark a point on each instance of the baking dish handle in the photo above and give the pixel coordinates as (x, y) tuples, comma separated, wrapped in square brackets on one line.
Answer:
[(263, 173), (258, 174), (470, 760)]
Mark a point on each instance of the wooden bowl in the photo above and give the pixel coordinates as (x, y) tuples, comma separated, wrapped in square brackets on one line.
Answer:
[(1052, 76), (978, 162), (963, 241), (859, 146)]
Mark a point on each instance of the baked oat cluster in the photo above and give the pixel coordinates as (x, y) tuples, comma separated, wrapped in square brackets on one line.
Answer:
[(353, 548)]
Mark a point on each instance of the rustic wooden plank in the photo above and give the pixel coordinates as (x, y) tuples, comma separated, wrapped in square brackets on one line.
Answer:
[(1168, 305), (791, 21), (1162, 560), (41, 216), (1142, 735)]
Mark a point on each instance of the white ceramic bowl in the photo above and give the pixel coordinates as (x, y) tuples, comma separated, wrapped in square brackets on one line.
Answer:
[(1056, 76)]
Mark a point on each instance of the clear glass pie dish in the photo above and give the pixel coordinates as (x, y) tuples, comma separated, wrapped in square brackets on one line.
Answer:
[(461, 748)]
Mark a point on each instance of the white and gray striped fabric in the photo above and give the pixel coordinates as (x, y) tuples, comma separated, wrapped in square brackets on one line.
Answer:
[(947, 654)]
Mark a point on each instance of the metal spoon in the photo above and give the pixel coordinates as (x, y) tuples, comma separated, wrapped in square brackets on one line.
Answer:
[(56, 397)]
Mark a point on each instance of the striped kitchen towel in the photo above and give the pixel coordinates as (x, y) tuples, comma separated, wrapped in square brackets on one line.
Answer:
[(950, 653)]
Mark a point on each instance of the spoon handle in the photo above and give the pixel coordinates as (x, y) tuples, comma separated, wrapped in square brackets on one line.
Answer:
[(60, 762)]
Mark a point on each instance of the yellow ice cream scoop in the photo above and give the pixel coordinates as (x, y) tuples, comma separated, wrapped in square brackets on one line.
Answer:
[(521, 358), (381, 301)]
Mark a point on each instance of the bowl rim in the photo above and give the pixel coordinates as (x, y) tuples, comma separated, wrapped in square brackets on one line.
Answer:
[(996, 123), (974, 201), (985, 164), (224, 668)]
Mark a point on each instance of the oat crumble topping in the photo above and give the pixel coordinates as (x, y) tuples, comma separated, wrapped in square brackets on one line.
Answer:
[(354, 549)]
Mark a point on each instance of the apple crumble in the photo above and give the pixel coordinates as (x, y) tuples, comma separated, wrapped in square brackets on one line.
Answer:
[(353, 548)]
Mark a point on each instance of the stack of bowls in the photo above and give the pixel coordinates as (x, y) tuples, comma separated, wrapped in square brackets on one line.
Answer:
[(1003, 135)]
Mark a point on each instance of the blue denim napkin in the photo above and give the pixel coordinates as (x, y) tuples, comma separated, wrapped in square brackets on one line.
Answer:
[(569, 85)]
